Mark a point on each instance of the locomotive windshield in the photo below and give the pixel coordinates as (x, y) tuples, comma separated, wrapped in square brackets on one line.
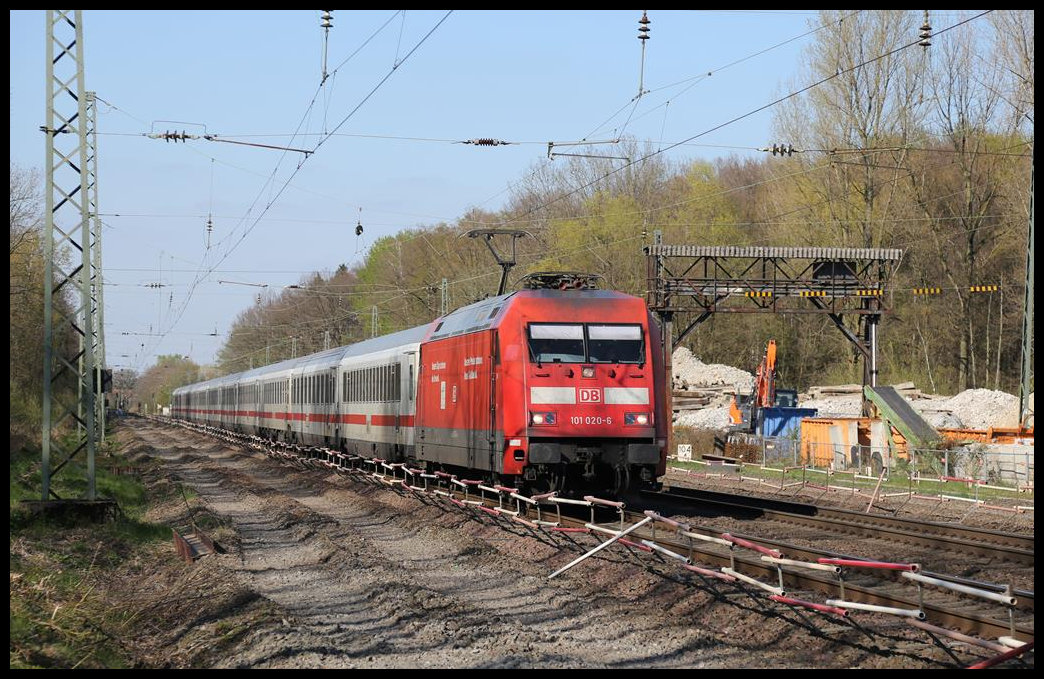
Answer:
[(614, 343), (556, 343), (589, 343)]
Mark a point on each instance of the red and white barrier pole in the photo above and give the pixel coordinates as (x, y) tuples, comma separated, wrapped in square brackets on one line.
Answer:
[(881, 565), (822, 608), (1002, 657)]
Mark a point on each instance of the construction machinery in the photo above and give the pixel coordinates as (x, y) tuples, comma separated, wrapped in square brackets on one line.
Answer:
[(745, 408)]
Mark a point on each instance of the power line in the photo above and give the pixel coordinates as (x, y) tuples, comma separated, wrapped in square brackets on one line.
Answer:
[(200, 274), (837, 74)]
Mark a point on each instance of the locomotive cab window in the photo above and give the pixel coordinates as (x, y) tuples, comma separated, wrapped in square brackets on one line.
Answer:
[(590, 343), (615, 344), (550, 343)]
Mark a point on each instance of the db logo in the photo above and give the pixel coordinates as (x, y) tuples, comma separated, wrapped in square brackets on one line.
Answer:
[(590, 395)]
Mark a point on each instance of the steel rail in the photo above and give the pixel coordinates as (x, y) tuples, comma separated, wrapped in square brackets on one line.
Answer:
[(1010, 547)]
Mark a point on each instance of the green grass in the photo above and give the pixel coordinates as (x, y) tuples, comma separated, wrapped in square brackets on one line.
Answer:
[(58, 619)]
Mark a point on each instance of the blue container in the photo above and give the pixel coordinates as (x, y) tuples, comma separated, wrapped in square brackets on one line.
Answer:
[(783, 422)]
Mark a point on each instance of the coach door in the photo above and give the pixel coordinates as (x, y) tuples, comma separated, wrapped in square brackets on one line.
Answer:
[(405, 400), (287, 407), (257, 400), (478, 396), (329, 403)]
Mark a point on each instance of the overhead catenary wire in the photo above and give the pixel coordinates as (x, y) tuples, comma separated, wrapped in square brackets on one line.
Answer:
[(277, 196), (319, 144), (836, 74), (202, 264)]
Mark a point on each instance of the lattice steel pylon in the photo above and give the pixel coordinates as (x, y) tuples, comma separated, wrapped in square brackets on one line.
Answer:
[(68, 371)]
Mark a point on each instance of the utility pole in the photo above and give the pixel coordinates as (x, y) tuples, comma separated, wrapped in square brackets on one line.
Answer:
[(444, 306), (326, 340), (67, 375), (1027, 319), (373, 322), (97, 283)]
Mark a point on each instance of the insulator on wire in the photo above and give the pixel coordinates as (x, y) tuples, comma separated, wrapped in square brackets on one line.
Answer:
[(359, 229), (486, 141), (643, 29), (781, 149), (926, 32), (327, 20)]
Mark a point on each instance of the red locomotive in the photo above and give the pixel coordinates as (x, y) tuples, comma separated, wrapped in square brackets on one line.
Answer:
[(543, 388)]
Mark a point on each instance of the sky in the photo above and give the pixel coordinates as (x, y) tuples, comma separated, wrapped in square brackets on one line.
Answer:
[(403, 89)]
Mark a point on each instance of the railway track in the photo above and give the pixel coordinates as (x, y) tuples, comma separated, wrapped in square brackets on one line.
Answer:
[(784, 571), (996, 545), (876, 587)]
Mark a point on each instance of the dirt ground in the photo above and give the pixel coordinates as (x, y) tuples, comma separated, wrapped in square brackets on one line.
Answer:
[(320, 571)]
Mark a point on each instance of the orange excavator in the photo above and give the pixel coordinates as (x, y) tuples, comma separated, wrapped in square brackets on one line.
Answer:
[(744, 407)]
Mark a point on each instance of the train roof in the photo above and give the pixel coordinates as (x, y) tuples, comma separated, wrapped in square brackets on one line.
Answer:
[(489, 312), (475, 317), (330, 356)]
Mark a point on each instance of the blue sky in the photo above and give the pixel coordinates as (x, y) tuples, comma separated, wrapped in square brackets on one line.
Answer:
[(522, 76)]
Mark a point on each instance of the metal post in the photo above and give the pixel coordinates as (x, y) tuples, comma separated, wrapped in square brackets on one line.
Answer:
[(97, 281), (1027, 319), (68, 232), (666, 343), (872, 320), (444, 307)]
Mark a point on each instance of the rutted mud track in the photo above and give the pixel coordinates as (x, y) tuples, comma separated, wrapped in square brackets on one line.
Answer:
[(361, 577)]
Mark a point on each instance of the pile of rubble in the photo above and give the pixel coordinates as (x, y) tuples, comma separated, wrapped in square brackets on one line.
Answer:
[(702, 393), (692, 374)]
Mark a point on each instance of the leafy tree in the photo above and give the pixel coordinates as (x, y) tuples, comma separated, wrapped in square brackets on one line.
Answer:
[(154, 387)]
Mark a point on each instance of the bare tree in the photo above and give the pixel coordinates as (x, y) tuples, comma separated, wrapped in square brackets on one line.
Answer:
[(865, 104)]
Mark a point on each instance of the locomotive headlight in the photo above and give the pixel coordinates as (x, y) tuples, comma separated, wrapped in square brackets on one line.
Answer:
[(543, 419), (636, 419), (587, 371)]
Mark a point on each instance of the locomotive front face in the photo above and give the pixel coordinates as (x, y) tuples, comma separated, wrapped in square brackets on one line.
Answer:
[(588, 382)]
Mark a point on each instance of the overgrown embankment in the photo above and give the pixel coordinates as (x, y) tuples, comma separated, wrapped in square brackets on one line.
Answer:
[(112, 594)]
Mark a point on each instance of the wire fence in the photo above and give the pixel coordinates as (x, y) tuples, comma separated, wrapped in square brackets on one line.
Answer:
[(1001, 467)]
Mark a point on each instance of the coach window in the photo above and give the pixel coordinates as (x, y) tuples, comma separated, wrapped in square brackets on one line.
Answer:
[(552, 343)]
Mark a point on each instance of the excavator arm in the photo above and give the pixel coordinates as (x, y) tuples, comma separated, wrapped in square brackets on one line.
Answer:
[(744, 409)]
